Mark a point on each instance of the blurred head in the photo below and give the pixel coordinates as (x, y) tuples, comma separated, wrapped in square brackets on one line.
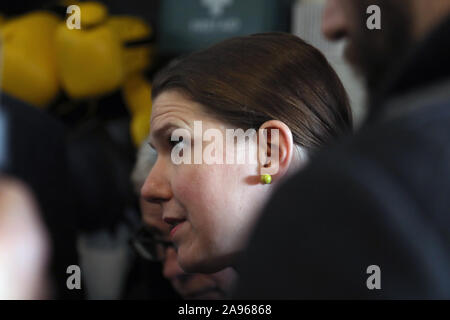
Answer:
[(374, 52), (274, 82), (189, 286), (24, 245)]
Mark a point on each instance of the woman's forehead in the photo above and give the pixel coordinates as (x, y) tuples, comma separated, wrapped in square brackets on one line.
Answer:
[(173, 104), (176, 108)]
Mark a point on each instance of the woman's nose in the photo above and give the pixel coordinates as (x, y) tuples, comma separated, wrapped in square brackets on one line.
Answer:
[(156, 188)]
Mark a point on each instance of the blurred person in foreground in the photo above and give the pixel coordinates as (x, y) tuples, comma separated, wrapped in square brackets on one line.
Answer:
[(24, 245), (381, 198), (153, 243), (34, 151)]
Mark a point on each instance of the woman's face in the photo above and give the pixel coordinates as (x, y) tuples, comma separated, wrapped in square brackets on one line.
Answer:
[(212, 205)]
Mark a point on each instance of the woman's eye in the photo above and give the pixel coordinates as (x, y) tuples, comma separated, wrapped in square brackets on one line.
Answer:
[(173, 143)]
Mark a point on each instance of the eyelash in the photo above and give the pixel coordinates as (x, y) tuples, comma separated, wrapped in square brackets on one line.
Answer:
[(174, 143)]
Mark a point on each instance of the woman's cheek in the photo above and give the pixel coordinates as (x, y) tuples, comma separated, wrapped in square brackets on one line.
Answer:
[(201, 190), (190, 188)]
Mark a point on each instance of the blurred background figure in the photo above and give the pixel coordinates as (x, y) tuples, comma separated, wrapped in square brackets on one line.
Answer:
[(306, 23), (24, 245), (152, 243)]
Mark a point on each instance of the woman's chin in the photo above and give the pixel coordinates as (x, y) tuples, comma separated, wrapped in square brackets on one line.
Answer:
[(190, 265)]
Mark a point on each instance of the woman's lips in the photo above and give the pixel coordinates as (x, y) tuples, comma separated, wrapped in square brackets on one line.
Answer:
[(174, 229), (175, 224)]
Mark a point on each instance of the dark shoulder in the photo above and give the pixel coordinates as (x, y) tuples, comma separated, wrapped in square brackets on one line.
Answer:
[(405, 159)]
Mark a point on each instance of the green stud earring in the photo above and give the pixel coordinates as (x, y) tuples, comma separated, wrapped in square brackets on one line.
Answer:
[(266, 178)]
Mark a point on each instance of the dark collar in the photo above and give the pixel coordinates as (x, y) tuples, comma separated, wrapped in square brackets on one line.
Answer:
[(426, 64)]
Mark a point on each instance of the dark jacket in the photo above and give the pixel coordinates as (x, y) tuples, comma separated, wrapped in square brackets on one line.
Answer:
[(381, 197)]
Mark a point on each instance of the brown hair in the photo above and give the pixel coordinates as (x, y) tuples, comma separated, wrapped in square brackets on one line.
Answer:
[(248, 80)]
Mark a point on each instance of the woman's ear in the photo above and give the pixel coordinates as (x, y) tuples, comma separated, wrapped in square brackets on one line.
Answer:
[(276, 145)]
